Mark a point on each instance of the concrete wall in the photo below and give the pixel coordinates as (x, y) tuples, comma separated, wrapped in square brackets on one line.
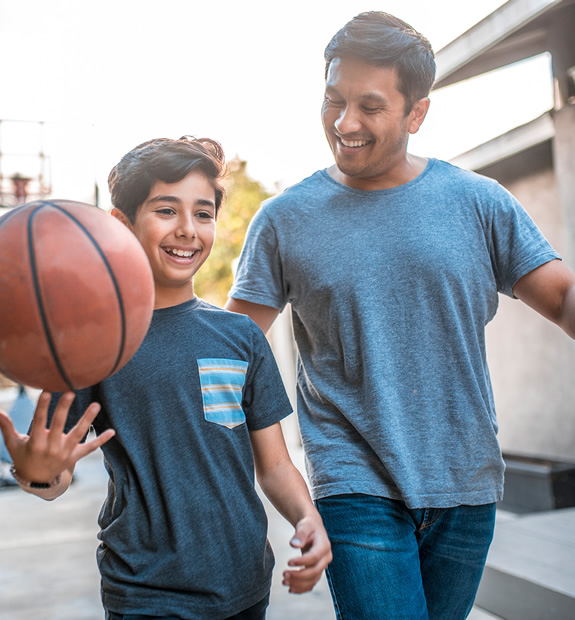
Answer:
[(282, 342), (532, 361)]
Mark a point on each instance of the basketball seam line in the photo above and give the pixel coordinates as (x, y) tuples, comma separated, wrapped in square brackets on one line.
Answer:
[(37, 291), (112, 277)]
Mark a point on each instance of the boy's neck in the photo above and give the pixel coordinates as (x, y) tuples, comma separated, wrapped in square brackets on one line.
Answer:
[(172, 297)]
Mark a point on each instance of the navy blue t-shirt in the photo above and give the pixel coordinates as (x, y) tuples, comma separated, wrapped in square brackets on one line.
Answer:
[(183, 531)]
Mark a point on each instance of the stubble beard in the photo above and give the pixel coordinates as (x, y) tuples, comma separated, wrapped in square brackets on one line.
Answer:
[(378, 168)]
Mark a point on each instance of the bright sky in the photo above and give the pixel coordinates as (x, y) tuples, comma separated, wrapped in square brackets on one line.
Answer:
[(110, 74)]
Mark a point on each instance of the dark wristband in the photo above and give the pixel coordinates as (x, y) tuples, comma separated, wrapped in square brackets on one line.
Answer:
[(33, 485)]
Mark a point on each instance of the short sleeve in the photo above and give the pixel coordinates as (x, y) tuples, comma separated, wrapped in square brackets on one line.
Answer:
[(259, 277), (517, 244), (265, 400)]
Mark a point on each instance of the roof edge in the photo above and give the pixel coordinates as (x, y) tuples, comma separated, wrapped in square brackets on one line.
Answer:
[(510, 143), (494, 28)]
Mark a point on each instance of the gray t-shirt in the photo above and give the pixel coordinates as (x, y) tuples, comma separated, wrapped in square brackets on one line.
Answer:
[(391, 291), (183, 531)]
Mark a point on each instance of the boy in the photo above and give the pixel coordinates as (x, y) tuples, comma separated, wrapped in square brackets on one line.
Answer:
[(183, 532)]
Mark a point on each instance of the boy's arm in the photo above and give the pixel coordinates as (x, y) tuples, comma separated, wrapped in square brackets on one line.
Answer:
[(44, 460), (285, 487), (264, 316), (550, 290), (52, 490)]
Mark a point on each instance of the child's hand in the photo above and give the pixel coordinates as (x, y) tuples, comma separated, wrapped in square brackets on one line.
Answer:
[(45, 453), (310, 536)]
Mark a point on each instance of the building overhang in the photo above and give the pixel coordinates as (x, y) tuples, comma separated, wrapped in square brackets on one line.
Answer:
[(515, 31), (516, 141), (522, 151)]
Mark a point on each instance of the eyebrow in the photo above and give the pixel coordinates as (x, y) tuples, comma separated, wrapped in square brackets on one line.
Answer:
[(164, 198), (174, 199), (375, 97)]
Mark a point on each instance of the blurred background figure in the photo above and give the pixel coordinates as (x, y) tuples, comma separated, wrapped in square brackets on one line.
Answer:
[(21, 413)]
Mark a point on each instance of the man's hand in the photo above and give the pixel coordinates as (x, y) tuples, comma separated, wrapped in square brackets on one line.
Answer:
[(310, 536), (45, 453)]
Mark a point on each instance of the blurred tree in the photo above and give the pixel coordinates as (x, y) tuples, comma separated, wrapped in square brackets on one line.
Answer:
[(243, 198)]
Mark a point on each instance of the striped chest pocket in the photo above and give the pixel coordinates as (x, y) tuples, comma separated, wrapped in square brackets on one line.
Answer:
[(222, 382)]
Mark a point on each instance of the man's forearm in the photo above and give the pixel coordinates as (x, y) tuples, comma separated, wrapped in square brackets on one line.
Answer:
[(567, 316)]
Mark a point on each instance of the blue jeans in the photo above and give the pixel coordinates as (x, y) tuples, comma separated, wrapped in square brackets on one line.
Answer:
[(392, 562), (256, 612)]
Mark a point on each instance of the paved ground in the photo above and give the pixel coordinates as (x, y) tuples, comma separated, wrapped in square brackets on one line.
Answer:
[(47, 556)]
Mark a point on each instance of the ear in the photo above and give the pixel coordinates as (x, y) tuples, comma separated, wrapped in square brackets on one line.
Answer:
[(417, 115), (121, 216)]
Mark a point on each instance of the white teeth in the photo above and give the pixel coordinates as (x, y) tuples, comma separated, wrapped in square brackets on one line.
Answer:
[(354, 143), (181, 253)]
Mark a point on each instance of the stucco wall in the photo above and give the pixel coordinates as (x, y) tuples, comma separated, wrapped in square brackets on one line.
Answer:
[(532, 361)]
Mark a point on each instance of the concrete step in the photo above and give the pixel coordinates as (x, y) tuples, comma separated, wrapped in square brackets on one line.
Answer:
[(530, 570), (480, 614)]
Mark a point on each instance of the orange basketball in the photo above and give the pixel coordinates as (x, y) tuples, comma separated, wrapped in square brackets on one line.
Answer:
[(76, 295)]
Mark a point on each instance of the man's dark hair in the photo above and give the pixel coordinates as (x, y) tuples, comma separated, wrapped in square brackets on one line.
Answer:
[(383, 40), (163, 159)]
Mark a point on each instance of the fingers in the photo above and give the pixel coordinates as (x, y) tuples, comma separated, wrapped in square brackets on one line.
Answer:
[(94, 444), (302, 580), (58, 423), (73, 440), (308, 571), (310, 536), (5, 421), (61, 413), (79, 431), (318, 555), (41, 412), (7, 427), (312, 539), (48, 451), (53, 448), (303, 533)]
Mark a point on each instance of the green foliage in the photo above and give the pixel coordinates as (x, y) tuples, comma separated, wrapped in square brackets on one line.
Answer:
[(244, 196)]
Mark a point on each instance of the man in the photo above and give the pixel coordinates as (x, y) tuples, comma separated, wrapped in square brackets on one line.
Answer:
[(393, 265)]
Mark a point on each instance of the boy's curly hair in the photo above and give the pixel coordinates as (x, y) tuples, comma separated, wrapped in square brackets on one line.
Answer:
[(163, 159)]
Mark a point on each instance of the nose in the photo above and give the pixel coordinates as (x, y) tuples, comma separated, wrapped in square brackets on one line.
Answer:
[(186, 228), (348, 121)]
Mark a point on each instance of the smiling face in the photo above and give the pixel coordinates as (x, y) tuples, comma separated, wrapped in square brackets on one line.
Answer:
[(176, 226), (366, 125)]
